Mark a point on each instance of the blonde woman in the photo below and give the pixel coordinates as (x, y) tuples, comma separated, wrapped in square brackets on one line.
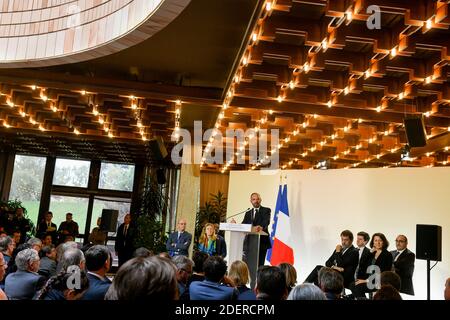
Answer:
[(212, 243), (241, 277)]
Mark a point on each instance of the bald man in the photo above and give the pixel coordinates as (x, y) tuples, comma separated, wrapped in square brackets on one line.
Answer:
[(404, 264), (179, 241)]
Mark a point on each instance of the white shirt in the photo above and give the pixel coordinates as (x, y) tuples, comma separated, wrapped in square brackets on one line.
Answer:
[(361, 250)]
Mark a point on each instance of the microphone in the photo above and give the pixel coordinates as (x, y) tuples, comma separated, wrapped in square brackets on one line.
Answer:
[(234, 215)]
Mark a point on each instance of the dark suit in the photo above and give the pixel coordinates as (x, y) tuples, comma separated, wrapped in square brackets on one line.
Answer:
[(404, 267), (23, 285), (364, 262), (262, 218), (347, 260), (221, 246), (179, 246), (124, 243), (71, 227), (97, 288), (47, 268), (43, 229), (208, 290)]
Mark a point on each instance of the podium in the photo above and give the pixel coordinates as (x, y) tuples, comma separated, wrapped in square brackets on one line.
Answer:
[(238, 234)]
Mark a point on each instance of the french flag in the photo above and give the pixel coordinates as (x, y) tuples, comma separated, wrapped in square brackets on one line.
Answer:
[(281, 250)]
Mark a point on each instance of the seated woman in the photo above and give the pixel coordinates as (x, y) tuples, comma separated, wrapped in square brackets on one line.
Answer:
[(381, 258), (240, 275), (212, 243), (98, 236), (56, 287)]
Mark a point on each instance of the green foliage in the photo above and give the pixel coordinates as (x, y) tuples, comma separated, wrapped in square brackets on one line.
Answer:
[(214, 211), (12, 205), (149, 229)]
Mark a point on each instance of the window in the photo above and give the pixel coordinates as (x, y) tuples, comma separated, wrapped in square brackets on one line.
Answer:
[(60, 205), (26, 185), (71, 173), (114, 176), (123, 205)]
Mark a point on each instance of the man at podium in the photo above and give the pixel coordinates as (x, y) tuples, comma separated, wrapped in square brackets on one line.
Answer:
[(259, 217)]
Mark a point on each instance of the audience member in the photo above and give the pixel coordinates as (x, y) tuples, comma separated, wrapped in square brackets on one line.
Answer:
[(199, 258), (391, 278), (47, 240), (48, 261), (240, 276), (215, 286), (184, 270), (72, 257), (57, 288), (144, 279), (270, 284), (98, 263), (142, 252), (7, 246), (35, 243), (290, 274), (3, 266), (47, 227), (306, 291), (25, 282), (387, 292), (331, 283)]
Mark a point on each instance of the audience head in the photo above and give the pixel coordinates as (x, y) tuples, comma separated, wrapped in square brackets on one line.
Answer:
[(181, 226), (387, 292), (69, 238), (69, 216), (346, 238), (214, 268), (290, 273), (379, 241), (145, 279), (98, 259), (127, 218), (184, 268), (362, 238), (48, 216), (3, 234), (19, 212), (401, 242), (199, 258), (391, 278), (270, 283), (49, 252), (28, 260), (73, 257), (60, 283), (164, 255), (331, 281), (255, 199), (306, 291), (16, 236), (3, 267), (35, 243), (47, 240), (239, 273), (447, 289), (7, 245), (142, 252)]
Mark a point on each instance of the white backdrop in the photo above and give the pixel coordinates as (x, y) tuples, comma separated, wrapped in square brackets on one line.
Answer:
[(322, 203)]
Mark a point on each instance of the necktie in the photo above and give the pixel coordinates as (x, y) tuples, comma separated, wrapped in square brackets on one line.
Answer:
[(396, 255), (125, 230), (254, 214)]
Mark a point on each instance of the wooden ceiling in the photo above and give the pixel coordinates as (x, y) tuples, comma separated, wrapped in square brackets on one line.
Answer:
[(337, 91)]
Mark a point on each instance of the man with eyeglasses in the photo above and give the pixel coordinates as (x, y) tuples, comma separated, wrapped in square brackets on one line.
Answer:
[(404, 264)]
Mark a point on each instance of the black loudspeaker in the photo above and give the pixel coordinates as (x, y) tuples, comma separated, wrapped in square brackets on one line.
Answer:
[(415, 131), (428, 242), (161, 176), (158, 149), (109, 220)]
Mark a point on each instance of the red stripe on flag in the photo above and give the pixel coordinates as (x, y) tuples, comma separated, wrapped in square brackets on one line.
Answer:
[(281, 253)]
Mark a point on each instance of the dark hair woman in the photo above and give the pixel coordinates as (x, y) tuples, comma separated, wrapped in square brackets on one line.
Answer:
[(58, 287)]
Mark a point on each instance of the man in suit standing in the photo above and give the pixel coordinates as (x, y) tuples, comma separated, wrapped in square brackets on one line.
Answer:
[(68, 228), (179, 241), (259, 217), (47, 227), (344, 260), (404, 264), (21, 223), (124, 241)]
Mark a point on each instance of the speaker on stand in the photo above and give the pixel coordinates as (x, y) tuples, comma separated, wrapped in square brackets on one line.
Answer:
[(428, 246)]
